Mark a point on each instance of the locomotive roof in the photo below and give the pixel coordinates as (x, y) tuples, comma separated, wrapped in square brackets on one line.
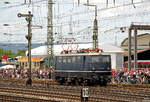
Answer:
[(80, 54), (42, 50)]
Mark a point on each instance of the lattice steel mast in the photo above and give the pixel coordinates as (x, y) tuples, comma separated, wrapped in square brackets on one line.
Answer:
[(50, 53), (95, 27), (95, 31)]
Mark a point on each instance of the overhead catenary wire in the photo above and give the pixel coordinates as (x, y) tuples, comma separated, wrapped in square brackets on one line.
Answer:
[(105, 18), (101, 9), (61, 22), (91, 20), (21, 4), (133, 3)]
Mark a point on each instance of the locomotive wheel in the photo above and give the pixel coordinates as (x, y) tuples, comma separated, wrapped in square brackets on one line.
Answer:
[(60, 80), (67, 81), (103, 82), (79, 81), (85, 82)]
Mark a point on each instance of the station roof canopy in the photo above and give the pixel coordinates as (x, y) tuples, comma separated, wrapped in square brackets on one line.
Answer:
[(143, 43), (33, 59)]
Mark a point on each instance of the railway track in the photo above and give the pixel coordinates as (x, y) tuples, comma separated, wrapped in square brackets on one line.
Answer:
[(23, 81), (4, 97), (47, 82), (61, 93), (68, 94)]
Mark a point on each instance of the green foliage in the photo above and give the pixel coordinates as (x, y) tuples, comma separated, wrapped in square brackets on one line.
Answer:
[(10, 54), (21, 52)]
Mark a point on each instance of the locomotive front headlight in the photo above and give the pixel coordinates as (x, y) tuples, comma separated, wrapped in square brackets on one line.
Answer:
[(93, 68)]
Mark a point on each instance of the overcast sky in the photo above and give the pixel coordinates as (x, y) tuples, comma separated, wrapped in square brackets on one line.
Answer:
[(71, 17)]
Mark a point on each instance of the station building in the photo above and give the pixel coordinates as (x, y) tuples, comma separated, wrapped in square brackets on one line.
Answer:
[(36, 62), (143, 47)]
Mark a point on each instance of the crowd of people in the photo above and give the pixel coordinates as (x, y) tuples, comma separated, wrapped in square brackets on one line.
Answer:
[(133, 76), (23, 73), (138, 76)]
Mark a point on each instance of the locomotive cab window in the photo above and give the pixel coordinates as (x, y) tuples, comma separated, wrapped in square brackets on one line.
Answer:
[(59, 59), (73, 59), (78, 58), (69, 60), (106, 59), (95, 59), (64, 59)]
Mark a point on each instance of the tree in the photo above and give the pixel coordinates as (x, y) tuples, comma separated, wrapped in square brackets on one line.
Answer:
[(21, 52), (10, 54)]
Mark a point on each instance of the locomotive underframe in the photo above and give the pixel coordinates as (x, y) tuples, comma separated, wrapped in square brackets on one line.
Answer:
[(83, 78)]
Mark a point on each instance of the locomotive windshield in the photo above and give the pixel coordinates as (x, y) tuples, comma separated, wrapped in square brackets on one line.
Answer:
[(102, 59), (101, 62)]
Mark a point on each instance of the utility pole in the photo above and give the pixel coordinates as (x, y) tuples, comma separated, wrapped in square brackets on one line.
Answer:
[(50, 39), (28, 37)]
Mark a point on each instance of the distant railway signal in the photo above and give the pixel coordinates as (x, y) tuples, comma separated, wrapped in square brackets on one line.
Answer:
[(25, 15)]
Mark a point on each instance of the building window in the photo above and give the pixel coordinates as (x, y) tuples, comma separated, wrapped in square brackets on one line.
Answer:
[(26, 64), (34, 64), (22, 63), (38, 64)]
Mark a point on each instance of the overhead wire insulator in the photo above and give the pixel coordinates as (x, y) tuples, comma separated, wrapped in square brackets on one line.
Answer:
[(133, 4), (29, 2), (25, 1), (114, 2), (78, 2), (87, 2), (106, 3)]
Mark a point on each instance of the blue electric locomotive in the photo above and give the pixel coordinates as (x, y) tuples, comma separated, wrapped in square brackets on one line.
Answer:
[(83, 68)]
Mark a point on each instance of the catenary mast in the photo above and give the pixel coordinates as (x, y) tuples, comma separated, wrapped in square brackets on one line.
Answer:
[(95, 30), (50, 53)]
